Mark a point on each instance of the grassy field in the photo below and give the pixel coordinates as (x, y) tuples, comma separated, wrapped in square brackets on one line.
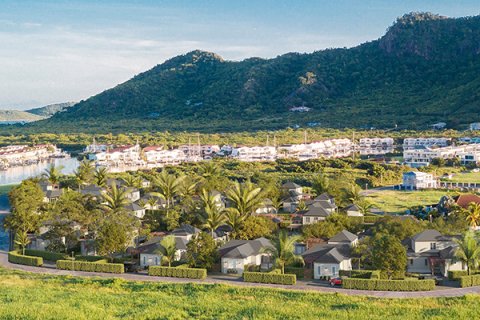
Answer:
[(465, 177), (398, 201), (32, 296)]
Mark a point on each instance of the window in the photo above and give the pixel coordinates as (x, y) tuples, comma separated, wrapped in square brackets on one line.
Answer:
[(433, 246), (334, 271), (426, 262), (411, 261)]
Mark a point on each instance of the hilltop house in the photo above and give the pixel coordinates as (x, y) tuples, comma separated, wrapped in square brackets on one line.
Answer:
[(431, 252), (415, 180), (237, 254)]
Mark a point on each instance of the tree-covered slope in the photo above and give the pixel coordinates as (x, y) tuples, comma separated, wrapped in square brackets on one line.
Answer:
[(51, 109), (423, 70)]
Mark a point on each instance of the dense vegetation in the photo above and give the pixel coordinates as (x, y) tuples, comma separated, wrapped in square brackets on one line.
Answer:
[(30, 296), (423, 70)]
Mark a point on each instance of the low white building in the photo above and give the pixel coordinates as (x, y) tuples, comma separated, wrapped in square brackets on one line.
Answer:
[(415, 180), (367, 146), (236, 255), (474, 126), (257, 153), (413, 143)]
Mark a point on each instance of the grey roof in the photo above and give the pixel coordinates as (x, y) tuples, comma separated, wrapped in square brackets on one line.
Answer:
[(352, 207), (133, 207), (153, 245), (324, 197), (327, 253), (324, 204), (316, 211), (92, 190), (427, 235), (239, 249), (290, 185), (185, 230), (343, 236), (53, 193)]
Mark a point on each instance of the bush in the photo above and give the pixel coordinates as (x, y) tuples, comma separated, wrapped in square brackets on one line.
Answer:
[(455, 275), (90, 266), (190, 273), (46, 255), (360, 274), (15, 257), (388, 285), (470, 281), (89, 258), (262, 277), (298, 272)]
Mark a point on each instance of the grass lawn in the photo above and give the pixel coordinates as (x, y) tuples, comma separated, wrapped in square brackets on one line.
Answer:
[(33, 296), (465, 177), (397, 201)]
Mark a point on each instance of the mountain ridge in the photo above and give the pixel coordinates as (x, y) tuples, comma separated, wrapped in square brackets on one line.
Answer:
[(423, 70)]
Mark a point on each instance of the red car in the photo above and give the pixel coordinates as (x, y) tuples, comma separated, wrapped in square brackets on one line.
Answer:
[(335, 282)]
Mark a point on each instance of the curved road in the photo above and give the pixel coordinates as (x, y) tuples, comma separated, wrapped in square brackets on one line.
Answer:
[(301, 285)]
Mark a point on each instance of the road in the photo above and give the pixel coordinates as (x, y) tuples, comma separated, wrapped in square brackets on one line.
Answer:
[(228, 280)]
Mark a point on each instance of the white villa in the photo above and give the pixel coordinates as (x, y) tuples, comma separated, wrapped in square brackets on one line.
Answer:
[(237, 254), (415, 180)]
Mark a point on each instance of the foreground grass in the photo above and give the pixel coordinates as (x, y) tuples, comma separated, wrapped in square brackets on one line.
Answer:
[(397, 201), (31, 296)]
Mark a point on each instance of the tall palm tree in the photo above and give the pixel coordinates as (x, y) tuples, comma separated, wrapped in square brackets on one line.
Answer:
[(101, 176), (187, 187), (52, 173), (235, 220), (364, 206), (131, 181), (168, 249), (473, 214), (22, 240), (115, 199), (168, 186), (282, 250), (468, 250), (246, 198), (214, 214)]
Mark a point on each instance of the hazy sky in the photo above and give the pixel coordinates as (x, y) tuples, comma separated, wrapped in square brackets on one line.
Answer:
[(57, 51)]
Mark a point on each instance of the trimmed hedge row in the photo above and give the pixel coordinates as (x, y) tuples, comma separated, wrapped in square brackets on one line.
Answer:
[(360, 274), (190, 273), (299, 272), (90, 266), (46, 255), (455, 275), (470, 281), (388, 285), (89, 258), (262, 277), (15, 257)]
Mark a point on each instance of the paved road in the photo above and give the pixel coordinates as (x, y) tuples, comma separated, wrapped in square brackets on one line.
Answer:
[(227, 280)]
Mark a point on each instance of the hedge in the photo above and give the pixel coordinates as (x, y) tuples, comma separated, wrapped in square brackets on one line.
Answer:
[(470, 281), (299, 272), (455, 275), (360, 274), (15, 257), (46, 255), (262, 277), (90, 266), (190, 273), (388, 285), (89, 258)]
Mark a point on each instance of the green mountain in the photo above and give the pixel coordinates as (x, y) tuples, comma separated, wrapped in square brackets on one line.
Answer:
[(50, 110), (425, 69)]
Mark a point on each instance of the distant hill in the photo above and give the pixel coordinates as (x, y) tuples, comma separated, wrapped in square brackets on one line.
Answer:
[(50, 110), (425, 69), (18, 116)]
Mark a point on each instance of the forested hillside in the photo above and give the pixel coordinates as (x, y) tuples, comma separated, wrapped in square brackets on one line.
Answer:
[(425, 69)]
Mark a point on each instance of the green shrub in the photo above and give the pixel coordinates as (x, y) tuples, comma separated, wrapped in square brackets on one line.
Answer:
[(388, 285), (298, 272), (89, 258), (360, 274), (455, 275), (90, 266), (262, 277), (46, 255), (190, 273), (470, 281), (15, 257)]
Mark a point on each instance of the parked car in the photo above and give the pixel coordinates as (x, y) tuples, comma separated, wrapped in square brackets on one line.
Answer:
[(335, 282)]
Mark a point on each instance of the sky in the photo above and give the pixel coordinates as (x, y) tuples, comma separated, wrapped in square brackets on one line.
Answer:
[(58, 51)]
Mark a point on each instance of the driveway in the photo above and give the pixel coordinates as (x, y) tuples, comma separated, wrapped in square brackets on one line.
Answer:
[(235, 281)]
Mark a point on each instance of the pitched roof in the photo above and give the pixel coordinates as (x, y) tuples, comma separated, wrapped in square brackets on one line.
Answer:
[(324, 204), (427, 235), (239, 249), (290, 185), (465, 199), (352, 207), (153, 245), (133, 207), (324, 197), (343, 236), (185, 230), (327, 253)]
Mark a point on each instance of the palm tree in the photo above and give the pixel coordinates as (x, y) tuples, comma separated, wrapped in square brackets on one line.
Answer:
[(468, 250), (168, 249), (101, 175), (168, 186), (302, 206), (282, 250), (354, 193), (320, 183), (246, 198), (52, 174), (473, 215), (235, 220), (188, 187), (115, 199), (131, 181), (364, 206), (22, 240), (277, 203)]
